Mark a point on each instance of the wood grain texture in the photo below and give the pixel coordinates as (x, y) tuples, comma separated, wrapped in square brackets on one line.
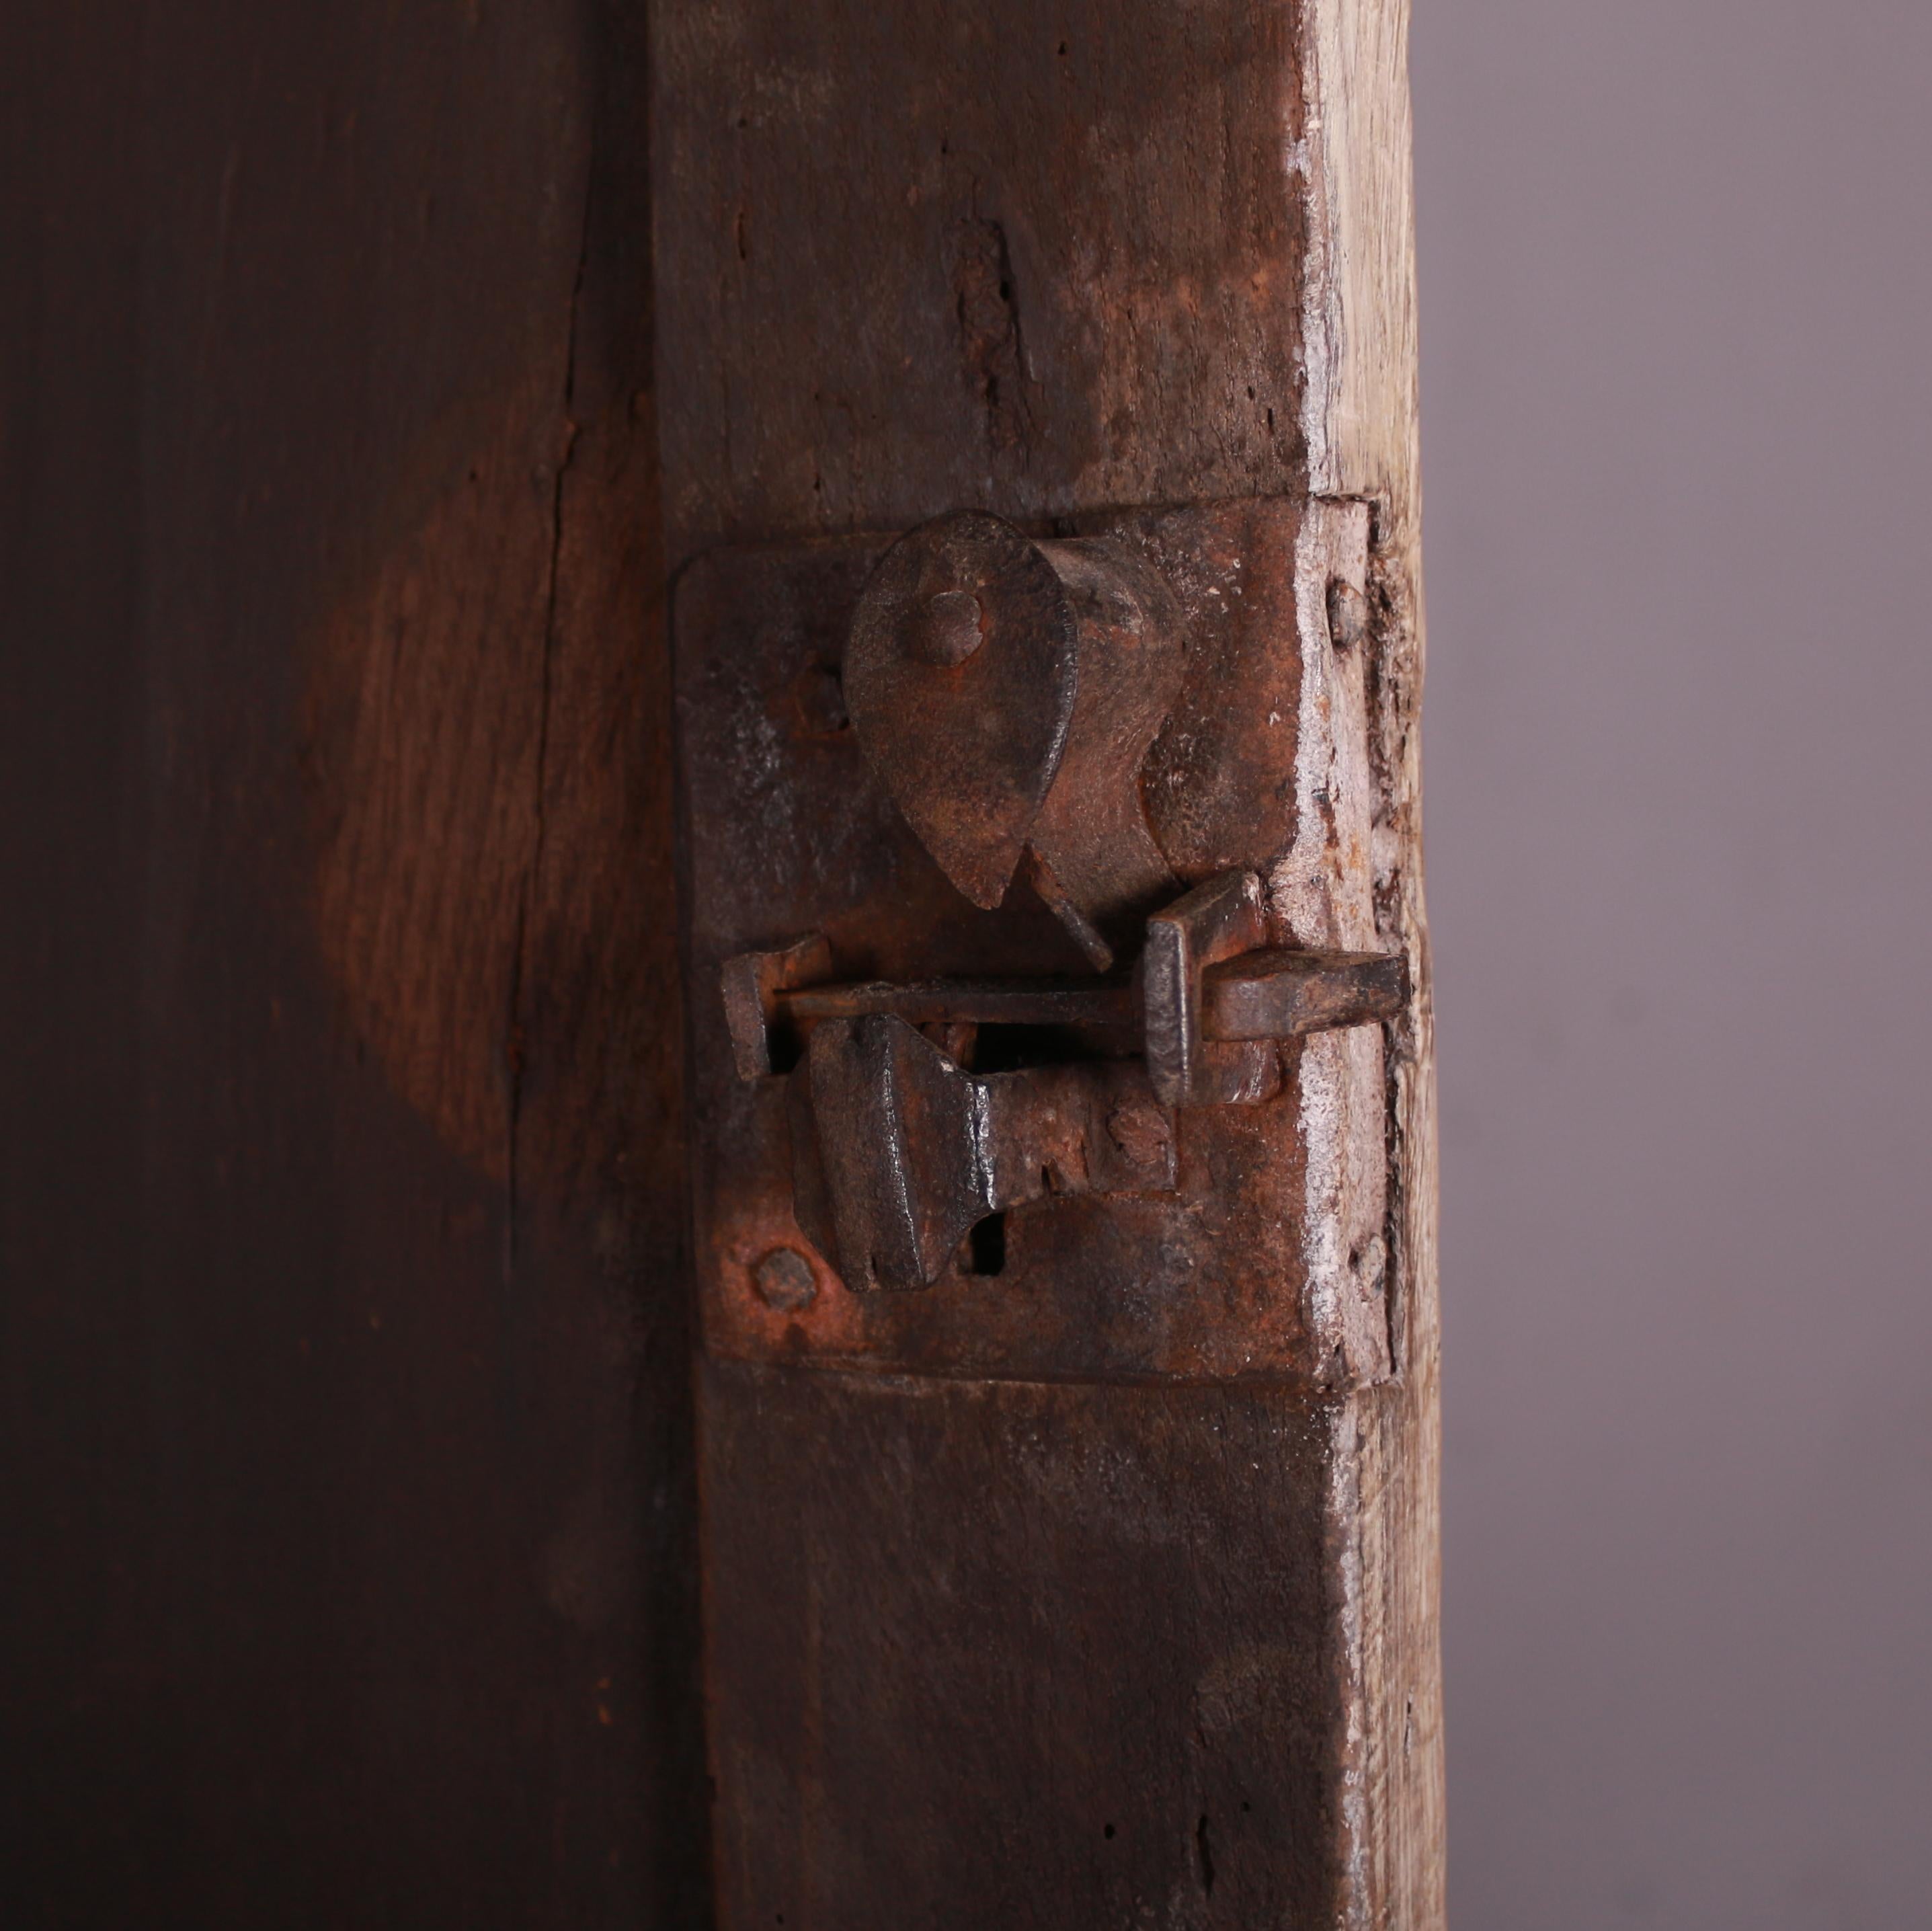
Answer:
[(346, 1408), (1361, 422), (1081, 1668), (918, 256), (1046, 259)]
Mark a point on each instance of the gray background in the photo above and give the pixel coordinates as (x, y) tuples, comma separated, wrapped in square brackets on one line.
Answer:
[(1675, 260)]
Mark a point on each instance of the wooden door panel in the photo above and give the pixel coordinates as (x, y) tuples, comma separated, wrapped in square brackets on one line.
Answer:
[(348, 1507)]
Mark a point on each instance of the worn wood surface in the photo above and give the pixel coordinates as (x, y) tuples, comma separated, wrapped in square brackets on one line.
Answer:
[(1105, 1664), (1360, 414), (345, 1413), (1045, 260)]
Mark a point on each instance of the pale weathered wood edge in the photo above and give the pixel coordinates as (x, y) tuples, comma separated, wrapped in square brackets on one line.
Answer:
[(1361, 422)]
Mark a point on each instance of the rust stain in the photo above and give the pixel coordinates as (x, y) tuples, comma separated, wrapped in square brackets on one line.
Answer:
[(486, 735)]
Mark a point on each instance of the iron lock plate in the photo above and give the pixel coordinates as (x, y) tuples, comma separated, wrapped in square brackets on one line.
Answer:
[(1262, 1248)]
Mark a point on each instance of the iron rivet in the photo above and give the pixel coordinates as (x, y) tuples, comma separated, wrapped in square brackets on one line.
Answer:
[(1348, 613), (785, 1280), (947, 628)]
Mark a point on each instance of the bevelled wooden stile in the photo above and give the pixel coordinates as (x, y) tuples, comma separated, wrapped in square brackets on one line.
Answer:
[(1059, 1073)]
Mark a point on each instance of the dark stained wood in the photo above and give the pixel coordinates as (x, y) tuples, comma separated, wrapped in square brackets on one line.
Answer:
[(1044, 260), (921, 256), (345, 1412), (1082, 1667)]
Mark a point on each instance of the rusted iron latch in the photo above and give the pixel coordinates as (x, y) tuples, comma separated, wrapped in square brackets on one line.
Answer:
[(1005, 691)]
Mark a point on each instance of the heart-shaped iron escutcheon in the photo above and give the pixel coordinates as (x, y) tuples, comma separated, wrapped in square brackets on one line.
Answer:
[(960, 677)]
